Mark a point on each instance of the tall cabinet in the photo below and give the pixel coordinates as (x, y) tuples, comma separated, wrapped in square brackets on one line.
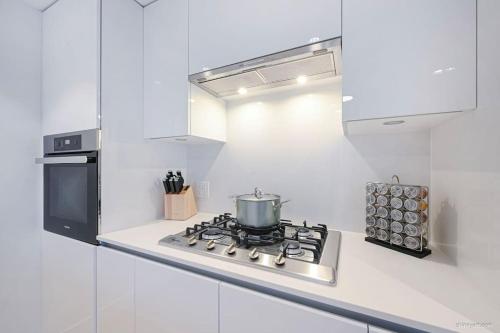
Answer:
[(70, 102), (410, 64), (70, 66)]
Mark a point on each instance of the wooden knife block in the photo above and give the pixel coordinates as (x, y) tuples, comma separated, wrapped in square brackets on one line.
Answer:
[(180, 206)]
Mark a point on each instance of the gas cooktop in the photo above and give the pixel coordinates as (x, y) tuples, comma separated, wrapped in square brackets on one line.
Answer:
[(307, 252)]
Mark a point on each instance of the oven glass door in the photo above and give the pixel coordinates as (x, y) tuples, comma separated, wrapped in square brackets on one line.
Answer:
[(71, 198)]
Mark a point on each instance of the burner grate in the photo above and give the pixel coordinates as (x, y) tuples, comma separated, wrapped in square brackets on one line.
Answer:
[(274, 239)]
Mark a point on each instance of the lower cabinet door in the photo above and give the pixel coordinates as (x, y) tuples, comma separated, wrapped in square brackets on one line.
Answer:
[(115, 291), (373, 329), (68, 285), (170, 300), (247, 311)]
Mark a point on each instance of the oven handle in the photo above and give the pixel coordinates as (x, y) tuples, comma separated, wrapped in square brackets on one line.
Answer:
[(63, 160)]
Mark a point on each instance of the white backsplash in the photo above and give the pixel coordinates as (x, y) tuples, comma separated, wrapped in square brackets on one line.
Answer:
[(291, 142)]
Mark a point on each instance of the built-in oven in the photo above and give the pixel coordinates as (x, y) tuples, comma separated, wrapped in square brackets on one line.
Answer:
[(71, 184)]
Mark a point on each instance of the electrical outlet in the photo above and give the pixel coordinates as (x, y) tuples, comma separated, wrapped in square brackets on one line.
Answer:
[(202, 190)]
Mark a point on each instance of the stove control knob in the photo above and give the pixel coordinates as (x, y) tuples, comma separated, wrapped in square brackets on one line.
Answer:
[(231, 249), (192, 240), (211, 245), (280, 259), (254, 254)]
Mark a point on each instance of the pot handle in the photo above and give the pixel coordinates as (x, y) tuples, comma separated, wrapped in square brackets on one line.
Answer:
[(233, 197), (280, 204)]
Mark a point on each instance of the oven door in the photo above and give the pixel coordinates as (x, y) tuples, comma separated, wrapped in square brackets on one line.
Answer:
[(71, 195)]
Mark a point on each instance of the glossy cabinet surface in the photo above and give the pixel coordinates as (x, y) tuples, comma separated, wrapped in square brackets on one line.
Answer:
[(223, 32), (70, 66), (373, 329), (408, 59), (270, 314), (166, 93), (170, 300), (173, 108), (68, 285), (115, 291)]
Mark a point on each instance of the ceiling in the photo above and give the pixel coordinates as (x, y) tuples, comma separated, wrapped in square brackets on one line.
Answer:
[(44, 4)]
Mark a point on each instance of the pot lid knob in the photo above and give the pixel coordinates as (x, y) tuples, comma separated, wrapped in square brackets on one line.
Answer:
[(258, 193)]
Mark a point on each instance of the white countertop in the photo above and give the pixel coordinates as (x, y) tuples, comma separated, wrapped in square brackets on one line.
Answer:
[(427, 294)]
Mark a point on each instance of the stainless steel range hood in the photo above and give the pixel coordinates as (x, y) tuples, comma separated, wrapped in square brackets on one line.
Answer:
[(311, 62)]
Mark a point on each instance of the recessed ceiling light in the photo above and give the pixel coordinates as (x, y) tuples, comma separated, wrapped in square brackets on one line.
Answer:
[(301, 79), (394, 122), (347, 98), (242, 91), (437, 71)]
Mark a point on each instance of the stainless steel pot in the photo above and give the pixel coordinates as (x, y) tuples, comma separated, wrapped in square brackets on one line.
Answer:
[(259, 210)]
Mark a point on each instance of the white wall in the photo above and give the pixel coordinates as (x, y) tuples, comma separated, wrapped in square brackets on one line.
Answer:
[(290, 142), (465, 173), (20, 179), (132, 193)]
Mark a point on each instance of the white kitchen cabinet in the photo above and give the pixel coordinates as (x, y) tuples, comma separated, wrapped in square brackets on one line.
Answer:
[(70, 66), (268, 314), (409, 60), (223, 32), (173, 108), (373, 329), (115, 291), (169, 300), (68, 285)]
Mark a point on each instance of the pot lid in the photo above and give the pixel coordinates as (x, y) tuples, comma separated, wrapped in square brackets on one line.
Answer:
[(258, 196)]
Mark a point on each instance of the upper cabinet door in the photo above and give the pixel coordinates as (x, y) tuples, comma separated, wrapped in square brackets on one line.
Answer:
[(166, 89), (223, 32), (272, 314), (70, 77), (404, 58)]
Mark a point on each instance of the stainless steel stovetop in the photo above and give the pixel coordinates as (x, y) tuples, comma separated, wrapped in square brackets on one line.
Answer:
[(307, 252)]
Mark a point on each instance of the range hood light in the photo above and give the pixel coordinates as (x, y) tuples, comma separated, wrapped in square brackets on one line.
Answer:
[(242, 91), (301, 79), (347, 98)]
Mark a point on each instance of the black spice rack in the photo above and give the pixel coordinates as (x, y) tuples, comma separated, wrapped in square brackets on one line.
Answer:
[(397, 217)]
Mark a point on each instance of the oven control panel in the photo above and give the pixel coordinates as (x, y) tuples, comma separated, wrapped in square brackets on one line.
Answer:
[(65, 143)]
